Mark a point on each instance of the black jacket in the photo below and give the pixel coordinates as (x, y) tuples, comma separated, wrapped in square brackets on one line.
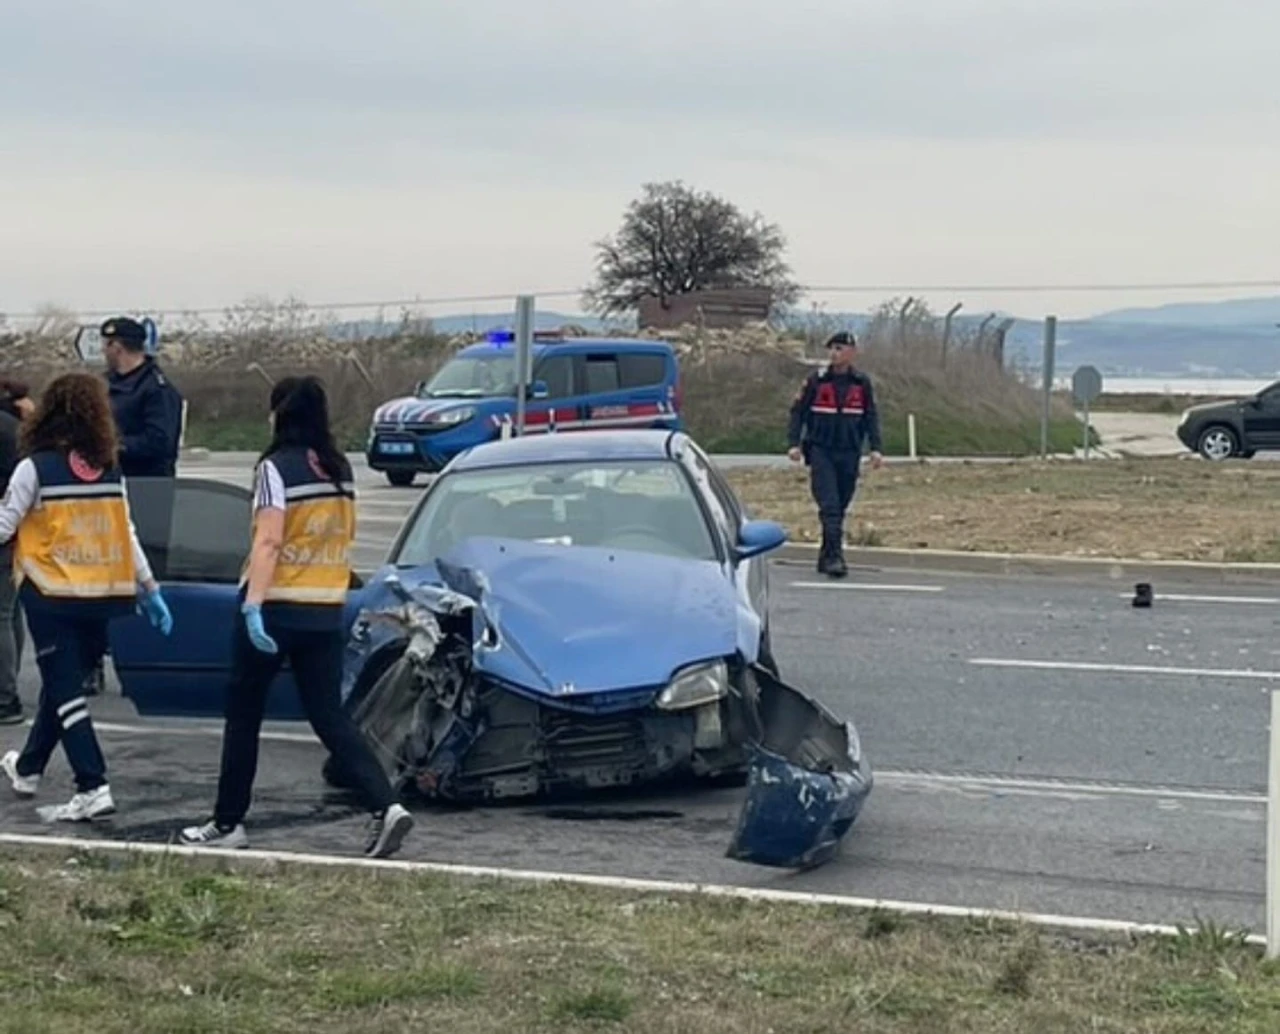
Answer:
[(9, 425), (835, 411), (148, 412)]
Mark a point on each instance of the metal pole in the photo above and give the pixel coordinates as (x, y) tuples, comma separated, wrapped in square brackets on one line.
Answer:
[(1273, 833), (946, 329), (1086, 429), (911, 435), (524, 340), (902, 323), (1050, 339)]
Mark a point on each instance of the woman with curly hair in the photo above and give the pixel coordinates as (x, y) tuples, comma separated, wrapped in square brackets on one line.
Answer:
[(78, 565)]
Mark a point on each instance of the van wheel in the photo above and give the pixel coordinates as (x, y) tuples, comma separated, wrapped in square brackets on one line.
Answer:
[(401, 478), (1218, 443)]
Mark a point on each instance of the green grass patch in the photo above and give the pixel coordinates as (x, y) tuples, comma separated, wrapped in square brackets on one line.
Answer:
[(243, 435), (202, 945)]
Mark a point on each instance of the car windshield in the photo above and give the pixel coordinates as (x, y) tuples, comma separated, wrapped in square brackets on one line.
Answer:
[(473, 376), (647, 505)]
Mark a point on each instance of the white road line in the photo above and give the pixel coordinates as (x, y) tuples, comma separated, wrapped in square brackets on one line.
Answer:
[(1052, 787), (1192, 598), (892, 777), (1124, 669), (867, 586), (1058, 922), (196, 730)]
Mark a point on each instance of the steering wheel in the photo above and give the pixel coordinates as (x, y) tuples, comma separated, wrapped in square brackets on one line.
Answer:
[(641, 536)]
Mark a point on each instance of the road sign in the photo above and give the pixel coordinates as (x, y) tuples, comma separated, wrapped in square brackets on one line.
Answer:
[(88, 345), (1086, 384)]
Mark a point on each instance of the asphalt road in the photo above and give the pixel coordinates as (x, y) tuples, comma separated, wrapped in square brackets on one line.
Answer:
[(1009, 776)]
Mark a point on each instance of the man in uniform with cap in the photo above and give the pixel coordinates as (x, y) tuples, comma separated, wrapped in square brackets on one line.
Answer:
[(146, 405), (833, 416), (148, 414)]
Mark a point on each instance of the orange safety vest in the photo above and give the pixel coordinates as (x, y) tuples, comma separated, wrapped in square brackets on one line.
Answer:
[(319, 528), (74, 543)]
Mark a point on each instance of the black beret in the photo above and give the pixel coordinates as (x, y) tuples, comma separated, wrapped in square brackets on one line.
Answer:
[(122, 328)]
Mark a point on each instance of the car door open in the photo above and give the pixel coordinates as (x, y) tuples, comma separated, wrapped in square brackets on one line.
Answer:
[(196, 534)]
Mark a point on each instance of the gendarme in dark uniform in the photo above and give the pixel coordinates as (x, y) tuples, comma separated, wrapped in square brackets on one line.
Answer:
[(146, 405), (832, 418)]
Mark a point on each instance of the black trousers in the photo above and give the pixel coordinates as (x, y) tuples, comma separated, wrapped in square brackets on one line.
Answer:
[(833, 478), (67, 637), (316, 657)]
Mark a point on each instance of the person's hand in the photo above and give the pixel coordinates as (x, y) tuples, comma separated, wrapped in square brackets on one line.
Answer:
[(877, 461), (257, 634), (156, 610), (794, 454)]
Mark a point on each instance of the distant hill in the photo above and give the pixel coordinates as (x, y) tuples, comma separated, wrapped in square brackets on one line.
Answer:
[(1235, 313), (1134, 349)]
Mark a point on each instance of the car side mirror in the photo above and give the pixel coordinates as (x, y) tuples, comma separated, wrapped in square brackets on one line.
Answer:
[(759, 537), (420, 387)]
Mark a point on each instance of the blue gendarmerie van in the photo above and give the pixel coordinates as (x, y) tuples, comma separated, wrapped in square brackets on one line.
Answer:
[(577, 384)]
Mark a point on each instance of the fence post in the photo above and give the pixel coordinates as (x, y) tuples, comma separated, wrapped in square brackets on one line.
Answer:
[(1273, 832), (1050, 340), (946, 330), (911, 435)]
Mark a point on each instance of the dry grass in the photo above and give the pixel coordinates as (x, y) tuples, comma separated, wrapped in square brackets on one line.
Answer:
[(103, 947), (737, 400), (1144, 509)]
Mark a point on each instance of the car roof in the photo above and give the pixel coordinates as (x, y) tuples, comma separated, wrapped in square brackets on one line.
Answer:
[(569, 447), (539, 347)]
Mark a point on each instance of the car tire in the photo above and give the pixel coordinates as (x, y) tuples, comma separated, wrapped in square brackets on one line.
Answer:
[(1217, 443), (401, 478)]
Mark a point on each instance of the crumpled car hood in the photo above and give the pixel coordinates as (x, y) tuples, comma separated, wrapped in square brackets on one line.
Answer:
[(583, 620)]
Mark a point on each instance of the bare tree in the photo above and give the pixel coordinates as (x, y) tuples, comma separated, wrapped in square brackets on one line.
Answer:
[(675, 240)]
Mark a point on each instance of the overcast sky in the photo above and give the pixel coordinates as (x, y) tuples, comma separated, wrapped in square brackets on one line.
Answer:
[(168, 154)]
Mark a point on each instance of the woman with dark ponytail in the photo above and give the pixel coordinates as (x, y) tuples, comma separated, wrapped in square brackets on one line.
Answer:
[(293, 590)]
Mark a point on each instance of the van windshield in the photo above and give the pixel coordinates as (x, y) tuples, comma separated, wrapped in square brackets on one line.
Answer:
[(472, 376)]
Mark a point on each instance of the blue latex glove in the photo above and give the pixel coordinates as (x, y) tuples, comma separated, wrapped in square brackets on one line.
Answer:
[(157, 612), (257, 634)]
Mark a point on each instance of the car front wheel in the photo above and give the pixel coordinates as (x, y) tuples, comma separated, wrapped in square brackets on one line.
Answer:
[(1218, 443)]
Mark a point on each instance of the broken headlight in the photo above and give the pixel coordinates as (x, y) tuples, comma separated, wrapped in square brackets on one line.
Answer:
[(695, 686)]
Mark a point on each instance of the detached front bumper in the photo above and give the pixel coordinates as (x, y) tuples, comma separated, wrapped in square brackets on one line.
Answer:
[(809, 781)]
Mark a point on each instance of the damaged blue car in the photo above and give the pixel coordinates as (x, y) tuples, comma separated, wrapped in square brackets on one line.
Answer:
[(563, 613)]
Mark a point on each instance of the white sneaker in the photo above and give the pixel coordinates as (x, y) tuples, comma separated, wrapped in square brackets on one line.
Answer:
[(83, 807), (386, 834), (23, 786), (211, 835)]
